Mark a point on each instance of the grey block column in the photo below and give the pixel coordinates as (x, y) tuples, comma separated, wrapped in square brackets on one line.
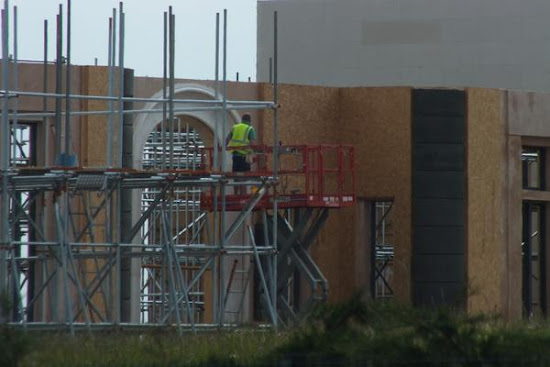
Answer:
[(439, 204)]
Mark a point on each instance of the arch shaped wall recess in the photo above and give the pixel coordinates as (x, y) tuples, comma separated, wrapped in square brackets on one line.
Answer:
[(147, 121)]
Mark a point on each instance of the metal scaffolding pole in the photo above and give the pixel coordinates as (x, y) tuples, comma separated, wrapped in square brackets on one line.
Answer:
[(164, 86), (118, 214), (216, 104), (67, 160), (110, 82), (171, 61), (223, 188), (216, 168), (5, 153), (120, 83), (275, 164), (45, 123), (58, 81), (15, 86), (37, 115), (15, 251), (109, 159), (63, 248)]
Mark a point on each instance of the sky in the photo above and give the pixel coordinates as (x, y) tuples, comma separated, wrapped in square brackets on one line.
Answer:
[(195, 34)]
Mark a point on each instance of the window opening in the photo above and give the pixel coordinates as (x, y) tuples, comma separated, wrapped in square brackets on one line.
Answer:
[(22, 154), (534, 264), (382, 250)]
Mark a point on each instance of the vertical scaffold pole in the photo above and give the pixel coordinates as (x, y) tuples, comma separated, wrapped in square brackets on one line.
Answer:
[(110, 212), (216, 93), (45, 123), (15, 86), (214, 168), (57, 148), (58, 62), (270, 70), (120, 84), (63, 251), (169, 235), (110, 82), (18, 304), (223, 186), (45, 219), (119, 157), (163, 126), (275, 164), (171, 26), (164, 86), (5, 153), (68, 90), (65, 245)]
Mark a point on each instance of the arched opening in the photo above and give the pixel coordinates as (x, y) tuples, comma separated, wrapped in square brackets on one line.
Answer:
[(176, 146), (179, 221)]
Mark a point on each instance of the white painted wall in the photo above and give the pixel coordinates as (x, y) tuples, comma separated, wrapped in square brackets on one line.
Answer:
[(454, 43)]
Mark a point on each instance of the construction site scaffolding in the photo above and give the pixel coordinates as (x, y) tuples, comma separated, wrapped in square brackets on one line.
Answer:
[(67, 241)]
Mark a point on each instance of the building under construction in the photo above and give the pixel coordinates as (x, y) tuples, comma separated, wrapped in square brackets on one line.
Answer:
[(119, 207)]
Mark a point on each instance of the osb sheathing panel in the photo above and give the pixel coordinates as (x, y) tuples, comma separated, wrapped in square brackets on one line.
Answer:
[(94, 137), (31, 78), (377, 122), (307, 115), (310, 115), (486, 202), (94, 140)]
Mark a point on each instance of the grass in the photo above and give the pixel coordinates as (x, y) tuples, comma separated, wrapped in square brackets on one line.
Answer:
[(151, 349), (347, 334)]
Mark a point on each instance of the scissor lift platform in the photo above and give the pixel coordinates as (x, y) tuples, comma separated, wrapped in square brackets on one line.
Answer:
[(320, 176)]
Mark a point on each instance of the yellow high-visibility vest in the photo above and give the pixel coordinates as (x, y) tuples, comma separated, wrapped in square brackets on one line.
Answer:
[(239, 138)]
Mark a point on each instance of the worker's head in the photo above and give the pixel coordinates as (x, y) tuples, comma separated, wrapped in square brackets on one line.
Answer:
[(246, 118)]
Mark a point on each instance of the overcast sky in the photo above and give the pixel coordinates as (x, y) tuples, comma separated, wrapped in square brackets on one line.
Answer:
[(195, 34)]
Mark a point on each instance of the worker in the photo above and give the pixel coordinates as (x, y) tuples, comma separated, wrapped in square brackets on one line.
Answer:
[(241, 135)]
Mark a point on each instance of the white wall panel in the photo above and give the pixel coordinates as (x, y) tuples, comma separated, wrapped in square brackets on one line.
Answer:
[(485, 43)]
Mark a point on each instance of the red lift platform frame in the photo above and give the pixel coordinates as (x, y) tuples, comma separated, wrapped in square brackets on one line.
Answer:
[(320, 176)]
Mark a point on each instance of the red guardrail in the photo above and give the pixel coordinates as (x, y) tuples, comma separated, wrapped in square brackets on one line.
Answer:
[(310, 176)]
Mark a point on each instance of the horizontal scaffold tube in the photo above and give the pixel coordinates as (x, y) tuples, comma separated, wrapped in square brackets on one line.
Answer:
[(13, 93), (150, 110)]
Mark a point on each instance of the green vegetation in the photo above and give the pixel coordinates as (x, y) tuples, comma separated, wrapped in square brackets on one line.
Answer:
[(386, 334), (353, 333), (152, 349)]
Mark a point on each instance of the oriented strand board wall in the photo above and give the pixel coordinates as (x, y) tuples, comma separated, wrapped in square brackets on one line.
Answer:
[(311, 115), (486, 180), (377, 121), (93, 146), (94, 137), (307, 115)]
